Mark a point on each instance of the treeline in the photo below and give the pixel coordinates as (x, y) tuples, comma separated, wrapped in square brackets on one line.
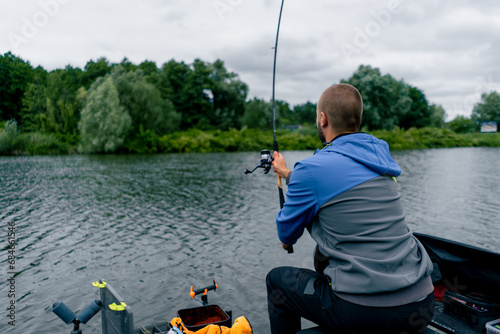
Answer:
[(118, 107), (123, 107)]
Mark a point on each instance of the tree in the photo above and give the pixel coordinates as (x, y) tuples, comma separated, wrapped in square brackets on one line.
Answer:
[(149, 68), (385, 99), (419, 114), (488, 109), (206, 95), (104, 123), (258, 114), (15, 76), (304, 113), (144, 103), (437, 116), (228, 96), (63, 109), (197, 103), (186, 87), (94, 70), (462, 124), (34, 107), (128, 65)]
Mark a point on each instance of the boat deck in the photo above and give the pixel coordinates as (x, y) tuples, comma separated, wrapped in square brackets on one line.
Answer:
[(441, 324)]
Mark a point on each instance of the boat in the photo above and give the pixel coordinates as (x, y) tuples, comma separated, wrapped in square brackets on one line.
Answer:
[(466, 287)]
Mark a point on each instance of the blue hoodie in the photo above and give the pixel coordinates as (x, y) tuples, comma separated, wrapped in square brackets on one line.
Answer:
[(347, 197), (347, 162)]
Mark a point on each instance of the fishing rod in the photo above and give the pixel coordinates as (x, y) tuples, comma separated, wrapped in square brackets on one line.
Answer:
[(266, 158), (275, 141)]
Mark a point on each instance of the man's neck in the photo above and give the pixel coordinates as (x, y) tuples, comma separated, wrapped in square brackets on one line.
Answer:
[(334, 135)]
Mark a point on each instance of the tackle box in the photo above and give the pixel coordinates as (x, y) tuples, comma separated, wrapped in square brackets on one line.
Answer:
[(493, 327), (198, 317), (472, 310)]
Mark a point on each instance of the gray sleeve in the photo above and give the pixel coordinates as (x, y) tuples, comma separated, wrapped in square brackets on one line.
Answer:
[(288, 177)]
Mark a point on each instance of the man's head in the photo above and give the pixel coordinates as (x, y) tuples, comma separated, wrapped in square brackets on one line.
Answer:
[(339, 110)]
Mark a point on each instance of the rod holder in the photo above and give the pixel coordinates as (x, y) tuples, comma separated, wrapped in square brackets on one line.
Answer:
[(68, 316)]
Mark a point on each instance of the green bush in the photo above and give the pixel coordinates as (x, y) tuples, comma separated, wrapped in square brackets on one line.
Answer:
[(33, 143), (215, 141), (36, 143), (483, 139), (233, 140), (422, 138), (143, 142), (8, 138)]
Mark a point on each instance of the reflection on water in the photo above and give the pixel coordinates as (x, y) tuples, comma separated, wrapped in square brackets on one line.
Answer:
[(154, 225)]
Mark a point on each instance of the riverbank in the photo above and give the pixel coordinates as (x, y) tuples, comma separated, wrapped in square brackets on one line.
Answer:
[(244, 140)]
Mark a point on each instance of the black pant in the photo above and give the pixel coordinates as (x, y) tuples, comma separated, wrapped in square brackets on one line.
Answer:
[(293, 293)]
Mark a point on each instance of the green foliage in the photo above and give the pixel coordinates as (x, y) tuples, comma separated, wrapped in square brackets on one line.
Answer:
[(63, 109), (143, 102), (15, 75), (104, 123), (138, 109), (488, 109), (185, 86), (206, 95), (437, 116), (145, 141), (94, 70), (384, 98), (307, 139), (258, 114), (418, 115), (389, 103), (36, 143), (228, 96), (303, 114), (149, 68), (215, 141), (292, 140), (421, 138), (12, 141), (483, 139), (462, 124), (8, 137), (34, 107)]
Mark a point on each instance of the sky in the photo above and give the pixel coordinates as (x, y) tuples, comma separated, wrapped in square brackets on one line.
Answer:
[(448, 49)]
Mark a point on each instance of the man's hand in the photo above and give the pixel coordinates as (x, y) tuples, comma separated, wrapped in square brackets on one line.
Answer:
[(285, 247), (279, 165)]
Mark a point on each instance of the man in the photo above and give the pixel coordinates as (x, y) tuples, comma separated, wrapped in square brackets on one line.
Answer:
[(372, 275)]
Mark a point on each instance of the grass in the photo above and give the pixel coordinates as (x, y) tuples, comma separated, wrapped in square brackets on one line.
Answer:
[(14, 143)]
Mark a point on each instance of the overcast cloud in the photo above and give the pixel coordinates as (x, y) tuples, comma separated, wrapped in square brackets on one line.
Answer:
[(448, 49)]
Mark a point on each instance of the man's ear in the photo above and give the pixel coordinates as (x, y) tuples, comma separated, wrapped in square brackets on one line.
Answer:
[(323, 120)]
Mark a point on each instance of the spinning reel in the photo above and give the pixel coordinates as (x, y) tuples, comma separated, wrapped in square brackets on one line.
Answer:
[(265, 162)]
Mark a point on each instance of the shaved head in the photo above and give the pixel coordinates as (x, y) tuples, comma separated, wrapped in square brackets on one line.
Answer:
[(343, 106)]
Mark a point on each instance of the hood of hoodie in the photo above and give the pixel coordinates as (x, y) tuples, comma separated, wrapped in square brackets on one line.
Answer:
[(367, 150)]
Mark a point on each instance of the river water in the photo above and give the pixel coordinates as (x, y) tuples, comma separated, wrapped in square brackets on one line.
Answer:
[(153, 225)]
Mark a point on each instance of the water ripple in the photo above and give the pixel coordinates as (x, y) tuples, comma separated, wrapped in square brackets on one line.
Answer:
[(154, 225)]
